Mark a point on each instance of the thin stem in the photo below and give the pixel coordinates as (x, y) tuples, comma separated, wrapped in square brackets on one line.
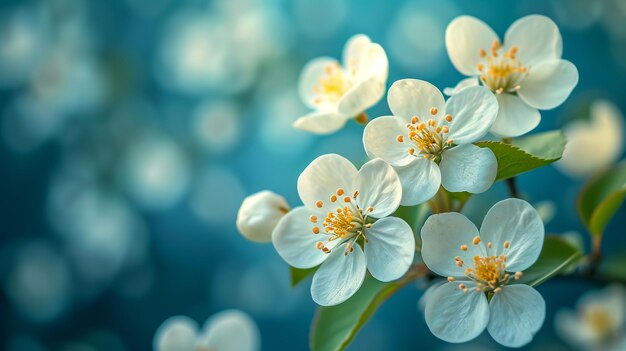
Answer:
[(596, 255), (512, 184)]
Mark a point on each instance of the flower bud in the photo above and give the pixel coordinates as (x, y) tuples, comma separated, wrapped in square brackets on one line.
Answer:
[(259, 213)]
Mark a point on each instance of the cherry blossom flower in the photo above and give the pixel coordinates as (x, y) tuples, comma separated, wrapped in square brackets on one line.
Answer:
[(429, 141), (229, 330), (482, 268), (338, 92), (525, 71), (344, 226)]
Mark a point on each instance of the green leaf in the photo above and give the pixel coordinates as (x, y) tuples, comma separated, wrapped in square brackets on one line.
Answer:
[(334, 327), (526, 153), (298, 274), (557, 255), (601, 197)]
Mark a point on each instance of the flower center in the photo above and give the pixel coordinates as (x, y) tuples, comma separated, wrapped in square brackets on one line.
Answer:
[(428, 139), (345, 221), (333, 84), (488, 271), (599, 320), (340, 224), (500, 71)]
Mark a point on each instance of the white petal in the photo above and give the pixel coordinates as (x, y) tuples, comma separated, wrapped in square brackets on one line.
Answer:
[(473, 111), (310, 77), (421, 303), (320, 122), (595, 144), (178, 333), (295, 242), (259, 213), (390, 249), (354, 49), (516, 314), (379, 188), (468, 168), (373, 63), (517, 222), (420, 181), (464, 83), (362, 96), (322, 177), (537, 39), (465, 36), (231, 330), (456, 316), (414, 97), (515, 117), (380, 140), (368, 64), (569, 327), (339, 277), (442, 237), (549, 84)]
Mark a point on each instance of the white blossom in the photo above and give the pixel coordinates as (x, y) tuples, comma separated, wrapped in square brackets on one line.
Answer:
[(338, 93), (525, 71), (482, 264), (344, 226)]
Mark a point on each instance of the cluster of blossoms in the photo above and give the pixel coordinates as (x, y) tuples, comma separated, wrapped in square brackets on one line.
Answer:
[(346, 224)]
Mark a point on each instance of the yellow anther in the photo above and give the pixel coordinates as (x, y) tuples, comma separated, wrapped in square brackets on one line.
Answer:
[(449, 118), (316, 230), (495, 46), (415, 119), (411, 151), (463, 247), (340, 192), (347, 199), (451, 279), (480, 66), (340, 223), (433, 111), (319, 203), (445, 129), (319, 245), (476, 240), (370, 209), (518, 275), (489, 245), (497, 290), (313, 219), (400, 138), (333, 198), (462, 286), (482, 53), (507, 244)]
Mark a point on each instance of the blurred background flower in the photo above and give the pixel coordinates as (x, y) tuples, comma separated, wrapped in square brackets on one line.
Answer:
[(131, 131)]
